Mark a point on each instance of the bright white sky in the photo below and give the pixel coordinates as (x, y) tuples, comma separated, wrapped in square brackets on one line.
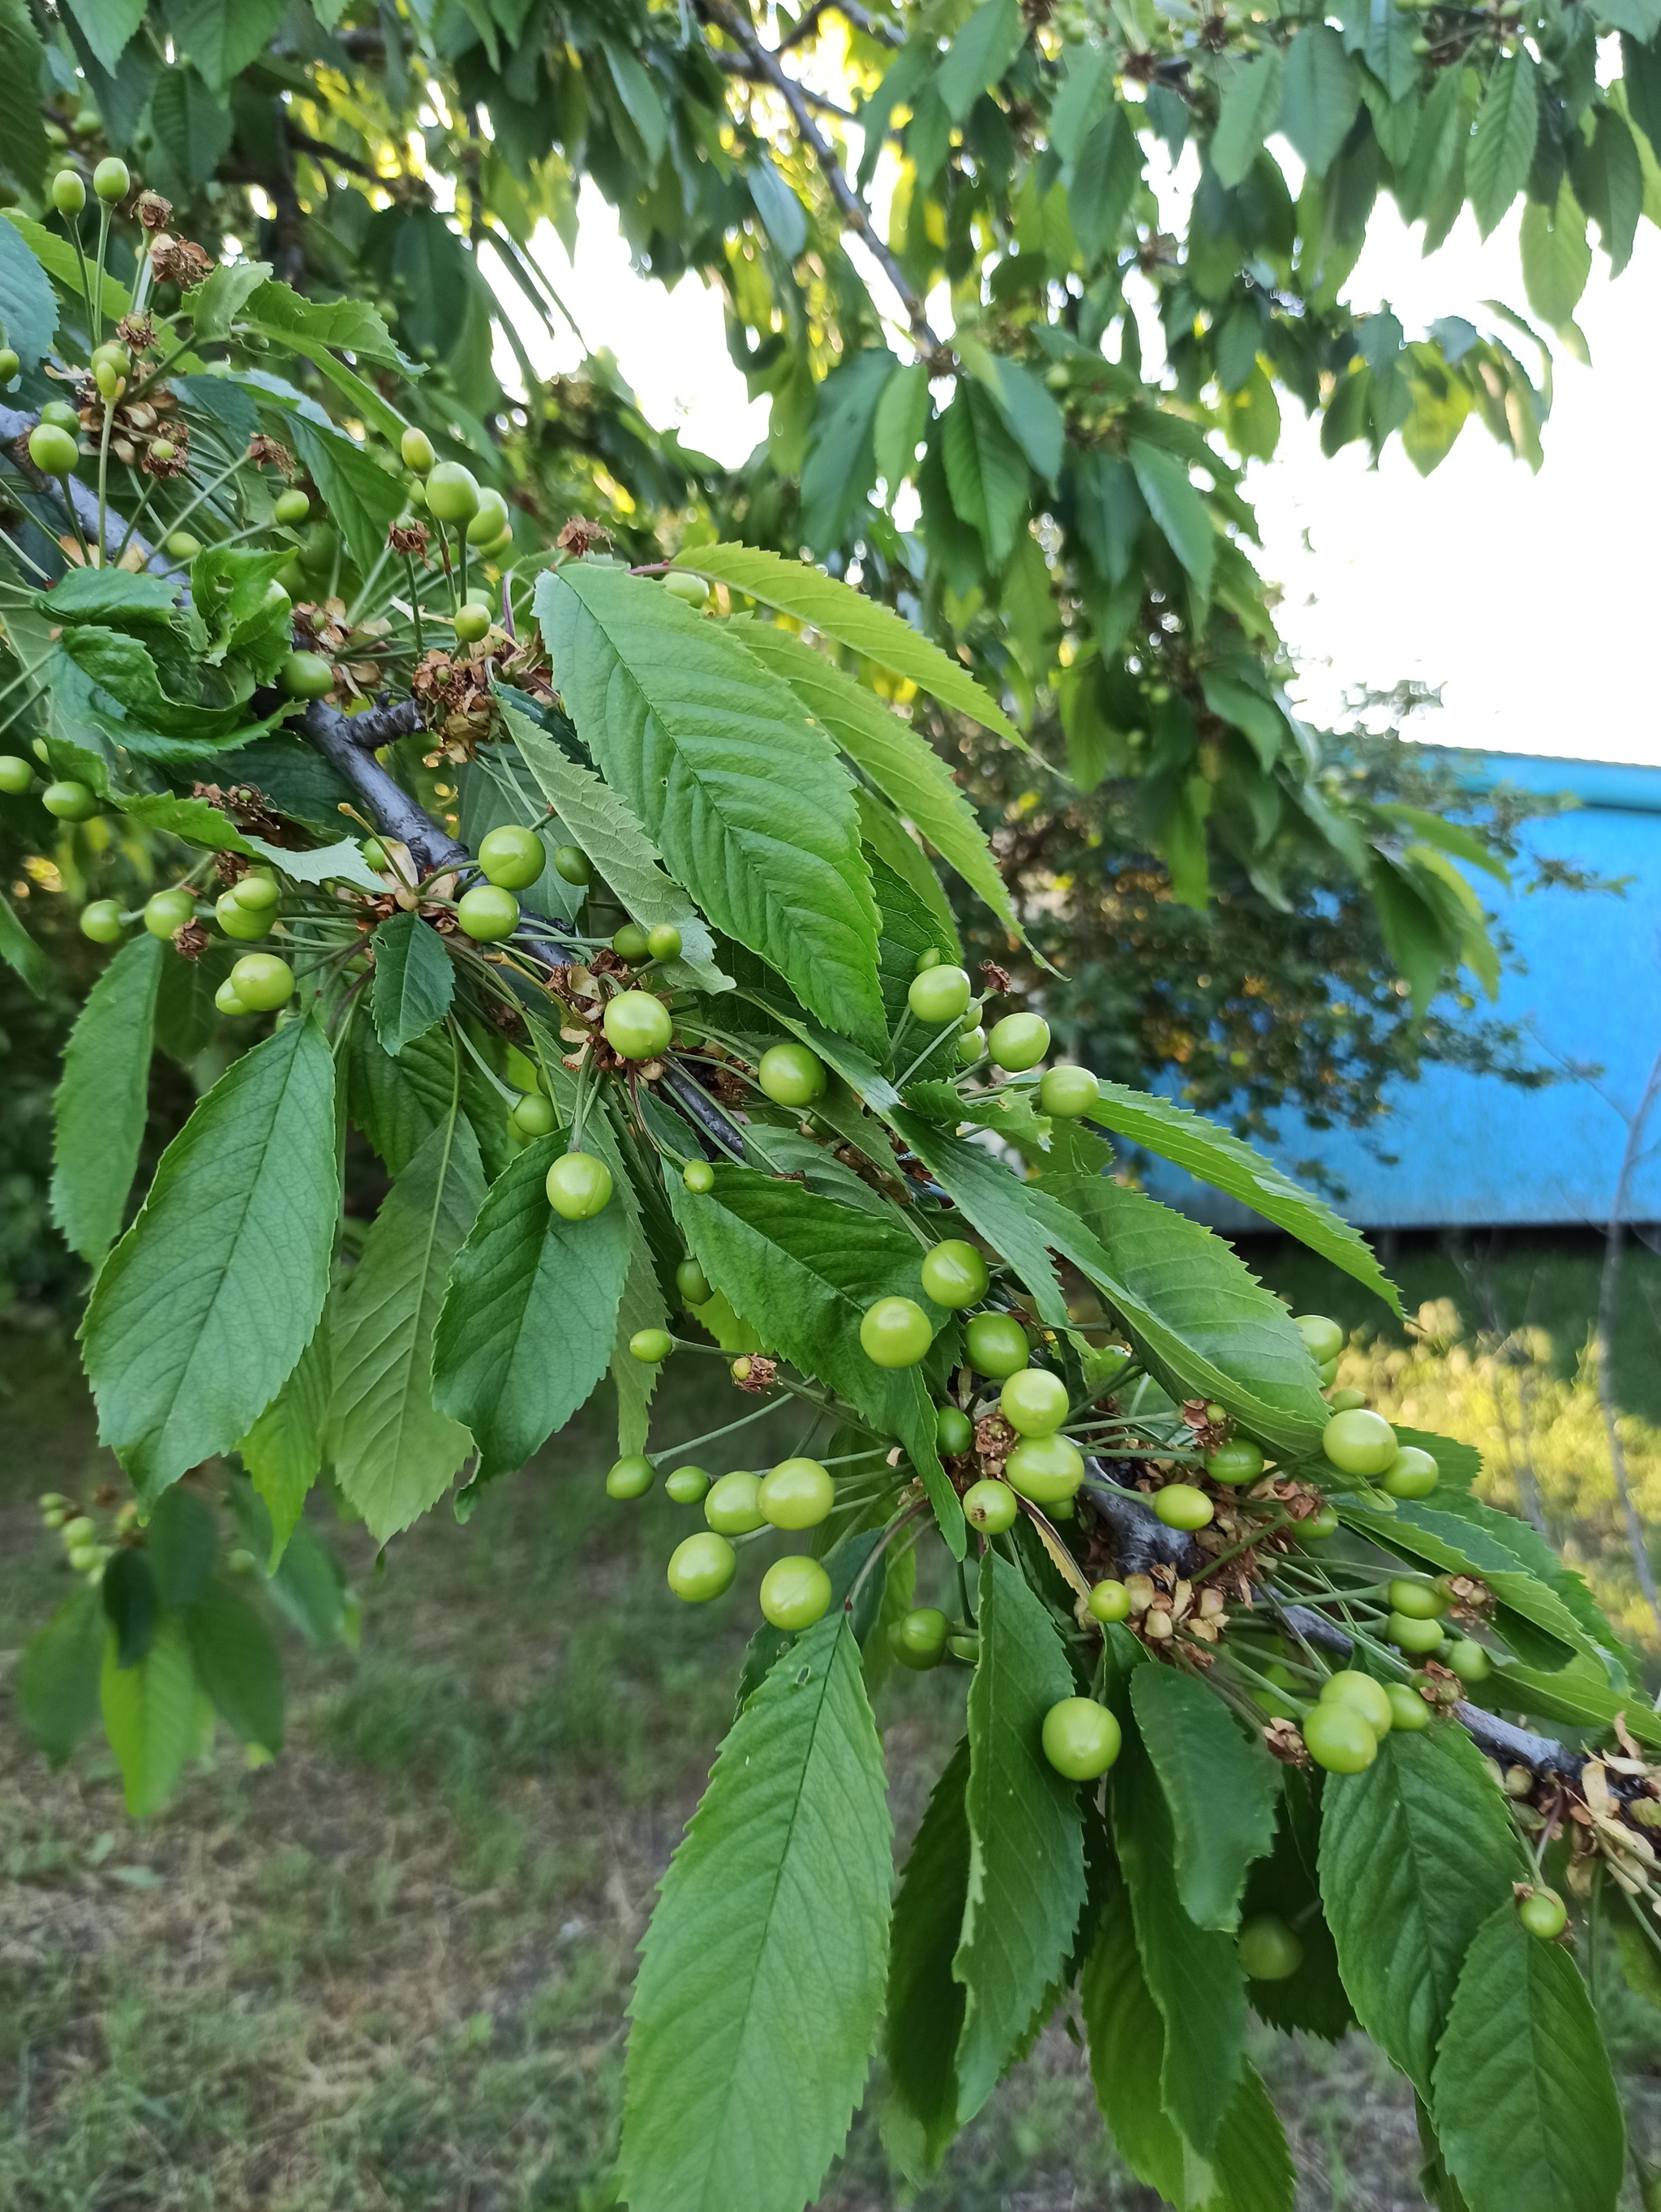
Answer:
[(1530, 599)]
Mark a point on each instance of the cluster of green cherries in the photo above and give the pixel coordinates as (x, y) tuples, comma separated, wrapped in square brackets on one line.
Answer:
[(258, 982), (796, 1494), (84, 1549)]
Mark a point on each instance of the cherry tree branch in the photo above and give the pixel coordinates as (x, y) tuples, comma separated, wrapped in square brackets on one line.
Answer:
[(1141, 1539), (766, 64), (348, 743)]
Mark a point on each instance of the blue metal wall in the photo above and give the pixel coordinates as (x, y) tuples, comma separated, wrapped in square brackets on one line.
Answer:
[(1473, 1150)]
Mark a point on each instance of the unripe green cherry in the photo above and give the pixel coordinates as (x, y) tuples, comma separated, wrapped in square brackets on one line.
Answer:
[(698, 1177), (236, 920), (1235, 1463), (512, 855), (691, 591), (1081, 1738), (1418, 1600), (954, 1275), (970, 1045), (1110, 1600), (290, 509), (1033, 1401), (797, 1493), (101, 921), (1350, 1686), (637, 1026), (68, 193), (630, 942), (731, 1508), (1323, 1338), (15, 775), (451, 493), (687, 1486), (630, 1477), (664, 941), (572, 863), (168, 910), (60, 412), (69, 801), (262, 981), (917, 1640), (1046, 1469), (181, 546), (1408, 1634), (416, 449), (258, 890), (1183, 1505), (940, 994), (1470, 1660), (1338, 1738), (1065, 1093), (1359, 1441), (9, 365), (1346, 1401), (692, 1283), (54, 451), (1413, 1473), (954, 1431), (491, 519), (487, 913), (578, 1186), (794, 1592), (110, 179), (305, 676), (791, 1075), (990, 1506), (995, 1344), (532, 1115), (1544, 1914), (1319, 1525), (650, 1345), (1018, 1042), (701, 1567), (471, 623), (228, 1001), (1267, 1949), (1408, 1711), (895, 1332)]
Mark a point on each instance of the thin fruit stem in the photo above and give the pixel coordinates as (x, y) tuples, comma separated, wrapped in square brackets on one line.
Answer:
[(104, 478), (207, 492), (1268, 1528), (103, 247), (713, 1435), (887, 1537)]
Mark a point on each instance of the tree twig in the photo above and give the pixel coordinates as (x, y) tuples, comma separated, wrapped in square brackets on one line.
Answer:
[(861, 18), (347, 743), (853, 207)]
